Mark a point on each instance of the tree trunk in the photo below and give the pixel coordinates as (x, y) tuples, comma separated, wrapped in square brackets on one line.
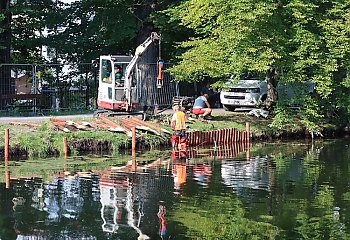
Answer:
[(271, 98), (143, 11), (5, 44)]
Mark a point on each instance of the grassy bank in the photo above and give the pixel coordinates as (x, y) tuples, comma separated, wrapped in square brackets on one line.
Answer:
[(47, 141)]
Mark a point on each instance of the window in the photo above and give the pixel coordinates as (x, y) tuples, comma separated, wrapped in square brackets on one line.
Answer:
[(106, 71)]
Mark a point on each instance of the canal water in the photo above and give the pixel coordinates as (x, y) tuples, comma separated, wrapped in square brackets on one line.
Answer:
[(288, 190)]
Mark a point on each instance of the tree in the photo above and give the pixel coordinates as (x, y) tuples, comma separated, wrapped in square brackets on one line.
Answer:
[(302, 39), (79, 31), (5, 38), (5, 33), (91, 28), (28, 29)]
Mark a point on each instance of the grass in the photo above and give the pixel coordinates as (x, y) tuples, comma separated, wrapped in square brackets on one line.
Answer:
[(227, 120), (45, 141)]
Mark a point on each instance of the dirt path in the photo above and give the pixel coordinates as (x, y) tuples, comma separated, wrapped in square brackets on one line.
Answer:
[(43, 118), (216, 111)]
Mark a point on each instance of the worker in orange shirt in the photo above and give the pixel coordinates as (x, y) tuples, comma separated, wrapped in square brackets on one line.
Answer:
[(178, 125)]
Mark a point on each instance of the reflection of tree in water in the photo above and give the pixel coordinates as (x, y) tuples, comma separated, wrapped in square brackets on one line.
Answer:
[(70, 206), (218, 217), (54, 209), (7, 230), (311, 190)]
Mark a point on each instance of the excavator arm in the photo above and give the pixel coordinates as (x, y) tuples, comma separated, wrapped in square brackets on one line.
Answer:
[(131, 66)]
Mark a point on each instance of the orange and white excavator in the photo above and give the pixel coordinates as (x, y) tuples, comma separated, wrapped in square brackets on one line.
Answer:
[(117, 89)]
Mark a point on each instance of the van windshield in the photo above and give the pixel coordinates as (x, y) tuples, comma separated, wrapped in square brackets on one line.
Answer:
[(245, 90)]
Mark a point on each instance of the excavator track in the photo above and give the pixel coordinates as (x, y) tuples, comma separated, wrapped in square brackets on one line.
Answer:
[(108, 113)]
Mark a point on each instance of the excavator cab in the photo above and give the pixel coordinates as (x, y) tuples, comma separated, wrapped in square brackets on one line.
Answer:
[(112, 94), (117, 90)]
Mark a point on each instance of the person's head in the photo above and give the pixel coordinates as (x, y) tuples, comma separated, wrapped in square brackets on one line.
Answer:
[(117, 68), (206, 95), (177, 108)]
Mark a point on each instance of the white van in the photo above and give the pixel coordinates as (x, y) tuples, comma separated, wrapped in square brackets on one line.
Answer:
[(246, 93), (250, 92)]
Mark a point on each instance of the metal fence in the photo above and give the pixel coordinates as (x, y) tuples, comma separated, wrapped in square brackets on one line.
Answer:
[(150, 93), (44, 88)]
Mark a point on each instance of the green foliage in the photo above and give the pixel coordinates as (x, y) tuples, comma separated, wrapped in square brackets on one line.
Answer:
[(226, 39), (76, 32), (302, 39), (1, 18), (171, 29), (346, 196), (282, 119), (213, 217), (96, 28), (324, 223), (28, 24)]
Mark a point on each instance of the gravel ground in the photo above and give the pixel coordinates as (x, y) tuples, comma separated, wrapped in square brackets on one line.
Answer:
[(216, 111)]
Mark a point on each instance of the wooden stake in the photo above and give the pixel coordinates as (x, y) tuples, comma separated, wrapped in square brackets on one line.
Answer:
[(6, 152), (7, 145), (133, 139), (65, 147), (248, 153), (247, 130), (133, 148), (7, 178)]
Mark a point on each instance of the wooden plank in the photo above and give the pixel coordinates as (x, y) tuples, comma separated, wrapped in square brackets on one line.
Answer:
[(115, 125), (28, 124)]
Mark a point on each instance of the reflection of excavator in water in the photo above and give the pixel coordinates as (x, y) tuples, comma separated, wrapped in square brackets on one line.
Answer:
[(117, 197), (117, 90)]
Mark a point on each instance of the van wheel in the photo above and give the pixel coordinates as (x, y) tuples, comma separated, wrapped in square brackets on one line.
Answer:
[(228, 107)]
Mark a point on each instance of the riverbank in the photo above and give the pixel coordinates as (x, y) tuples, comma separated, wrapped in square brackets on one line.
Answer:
[(46, 140)]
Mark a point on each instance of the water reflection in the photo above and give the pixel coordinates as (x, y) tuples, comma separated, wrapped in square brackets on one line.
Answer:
[(252, 174), (206, 196), (113, 194), (202, 174), (162, 221), (179, 169)]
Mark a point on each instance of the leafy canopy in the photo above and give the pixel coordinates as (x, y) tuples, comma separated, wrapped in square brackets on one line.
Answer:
[(302, 39)]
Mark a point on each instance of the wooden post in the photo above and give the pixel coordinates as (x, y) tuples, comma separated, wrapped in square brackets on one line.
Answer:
[(248, 153), (247, 130), (65, 147), (7, 145), (133, 149), (6, 153), (232, 136), (7, 178), (219, 136), (133, 140)]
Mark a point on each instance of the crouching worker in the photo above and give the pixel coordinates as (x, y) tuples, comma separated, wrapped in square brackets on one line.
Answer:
[(178, 125), (201, 107)]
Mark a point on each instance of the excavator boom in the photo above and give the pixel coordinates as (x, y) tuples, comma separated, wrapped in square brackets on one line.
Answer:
[(131, 66)]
